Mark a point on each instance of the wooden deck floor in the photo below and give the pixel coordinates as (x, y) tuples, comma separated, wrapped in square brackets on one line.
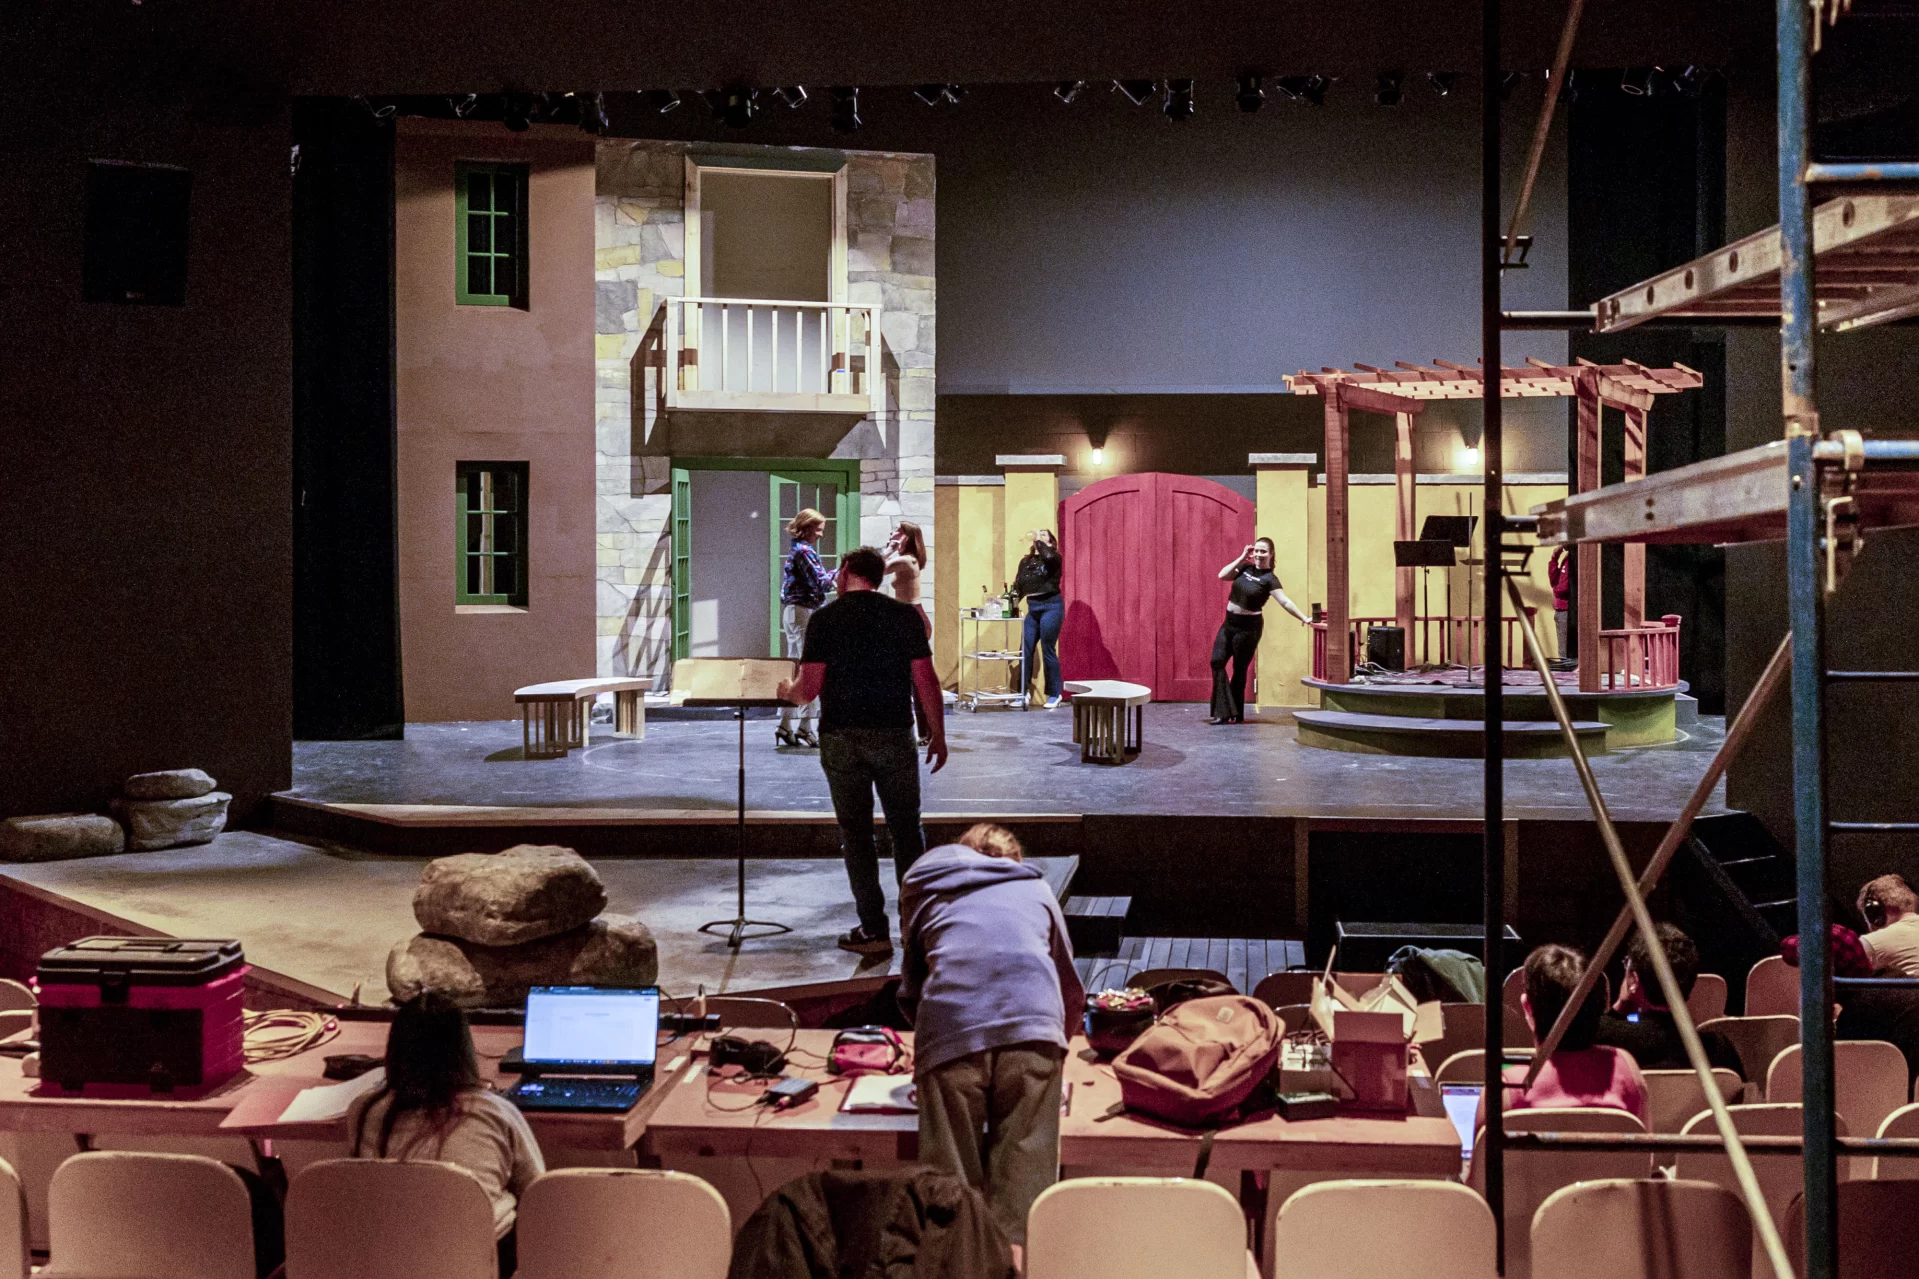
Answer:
[(1244, 960)]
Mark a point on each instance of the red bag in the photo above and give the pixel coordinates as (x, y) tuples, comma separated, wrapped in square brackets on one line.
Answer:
[(866, 1050), (1200, 1062)]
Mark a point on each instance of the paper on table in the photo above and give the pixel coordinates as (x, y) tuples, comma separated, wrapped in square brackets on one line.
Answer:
[(330, 1101), (882, 1095)]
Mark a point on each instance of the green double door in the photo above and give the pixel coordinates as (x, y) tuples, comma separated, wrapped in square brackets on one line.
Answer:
[(831, 488)]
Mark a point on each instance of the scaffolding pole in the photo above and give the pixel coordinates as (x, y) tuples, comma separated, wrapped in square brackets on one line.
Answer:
[(1492, 530)]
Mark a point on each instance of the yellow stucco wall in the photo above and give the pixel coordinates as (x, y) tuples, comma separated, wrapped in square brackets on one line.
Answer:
[(1286, 648), (1032, 501), (978, 540)]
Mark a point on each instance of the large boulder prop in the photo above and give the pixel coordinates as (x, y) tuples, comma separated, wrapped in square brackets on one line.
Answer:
[(495, 924), (54, 837), (613, 950), (173, 823), (505, 899), (175, 783)]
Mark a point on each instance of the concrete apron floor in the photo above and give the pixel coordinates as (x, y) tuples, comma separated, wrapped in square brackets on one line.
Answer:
[(1002, 762), (328, 916)]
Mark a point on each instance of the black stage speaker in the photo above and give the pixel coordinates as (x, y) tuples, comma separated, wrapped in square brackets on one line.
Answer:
[(1386, 646), (136, 234)]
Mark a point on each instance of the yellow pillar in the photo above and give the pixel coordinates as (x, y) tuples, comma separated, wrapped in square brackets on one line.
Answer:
[(1032, 501), (1286, 649)]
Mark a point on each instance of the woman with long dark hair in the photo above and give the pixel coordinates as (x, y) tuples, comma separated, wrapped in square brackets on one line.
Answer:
[(905, 559), (1238, 639), (433, 1107), (1038, 583)]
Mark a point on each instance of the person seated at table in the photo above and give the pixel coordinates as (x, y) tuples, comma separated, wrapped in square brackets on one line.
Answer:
[(1642, 1024), (1581, 1072), (433, 1107), (988, 979)]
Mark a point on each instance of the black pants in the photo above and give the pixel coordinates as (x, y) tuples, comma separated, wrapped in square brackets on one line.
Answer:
[(1237, 641)]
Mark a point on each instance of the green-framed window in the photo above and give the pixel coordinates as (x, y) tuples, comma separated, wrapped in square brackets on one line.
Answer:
[(489, 262), (490, 516)]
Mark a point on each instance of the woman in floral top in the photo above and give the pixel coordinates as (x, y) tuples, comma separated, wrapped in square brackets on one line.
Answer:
[(804, 587)]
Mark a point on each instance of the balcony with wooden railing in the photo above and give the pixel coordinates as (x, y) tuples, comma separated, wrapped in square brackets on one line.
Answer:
[(761, 355)]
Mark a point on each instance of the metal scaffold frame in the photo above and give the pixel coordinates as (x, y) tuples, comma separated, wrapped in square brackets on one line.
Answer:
[(1819, 492)]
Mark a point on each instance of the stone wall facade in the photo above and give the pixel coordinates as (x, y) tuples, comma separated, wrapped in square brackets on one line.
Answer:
[(640, 259)]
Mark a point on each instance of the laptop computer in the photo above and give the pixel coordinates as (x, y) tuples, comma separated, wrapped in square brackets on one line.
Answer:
[(588, 1048)]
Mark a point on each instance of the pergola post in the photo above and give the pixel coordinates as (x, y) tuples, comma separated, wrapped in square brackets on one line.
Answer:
[(1586, 557), (1339, 655), (1633, 577), (1405, 527)]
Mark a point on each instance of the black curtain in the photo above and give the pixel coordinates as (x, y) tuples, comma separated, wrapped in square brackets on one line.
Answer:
[(346, 630), (1645, 193)]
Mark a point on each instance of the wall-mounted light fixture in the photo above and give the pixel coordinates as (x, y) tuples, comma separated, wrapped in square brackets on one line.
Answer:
[(1468, 460)]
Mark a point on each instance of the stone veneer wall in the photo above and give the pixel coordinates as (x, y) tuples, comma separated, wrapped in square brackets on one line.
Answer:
[(640, 258)]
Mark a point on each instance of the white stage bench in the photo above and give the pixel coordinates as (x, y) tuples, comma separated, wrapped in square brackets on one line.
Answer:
[(555, 715)]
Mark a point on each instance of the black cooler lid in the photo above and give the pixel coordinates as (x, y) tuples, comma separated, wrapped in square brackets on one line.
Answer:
[(147, 961)]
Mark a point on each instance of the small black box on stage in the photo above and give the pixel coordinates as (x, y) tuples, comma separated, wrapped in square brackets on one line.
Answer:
[(1386, 647), (1307, 1105)]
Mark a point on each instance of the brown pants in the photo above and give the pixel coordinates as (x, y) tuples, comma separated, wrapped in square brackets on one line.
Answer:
[(993, 1118)]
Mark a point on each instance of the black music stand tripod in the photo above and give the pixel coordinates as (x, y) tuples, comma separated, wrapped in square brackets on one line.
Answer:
[(739, 928)]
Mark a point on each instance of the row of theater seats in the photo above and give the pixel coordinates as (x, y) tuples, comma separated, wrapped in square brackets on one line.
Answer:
[(185, 1217)]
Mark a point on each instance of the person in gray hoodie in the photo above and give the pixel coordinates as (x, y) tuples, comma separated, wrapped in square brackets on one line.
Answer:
[(988, 979)]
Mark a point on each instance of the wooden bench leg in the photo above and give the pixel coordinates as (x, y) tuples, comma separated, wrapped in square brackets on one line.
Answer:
[(547, 728), (629, 714), (579, 723)]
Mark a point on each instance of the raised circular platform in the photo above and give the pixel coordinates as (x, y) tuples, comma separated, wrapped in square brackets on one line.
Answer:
[(1446, 719)]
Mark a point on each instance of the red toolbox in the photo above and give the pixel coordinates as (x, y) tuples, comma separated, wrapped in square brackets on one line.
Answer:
[(141, 1016)]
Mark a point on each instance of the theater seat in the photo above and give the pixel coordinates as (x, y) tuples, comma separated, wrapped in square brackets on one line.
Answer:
[(581, 1223), (1384, 1230), (1641, 1229), (1137, 1228), (13, 1224), (381, 1219), (155, 1216)]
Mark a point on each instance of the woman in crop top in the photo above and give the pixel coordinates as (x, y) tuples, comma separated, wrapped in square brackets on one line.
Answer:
[(1238, 639), (905, 557)]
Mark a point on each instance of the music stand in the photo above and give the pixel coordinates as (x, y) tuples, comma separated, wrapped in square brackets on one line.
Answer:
[(1424, 554), (738, 682), (1458, 531)]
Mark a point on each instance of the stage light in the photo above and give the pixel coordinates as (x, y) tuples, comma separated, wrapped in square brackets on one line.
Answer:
[(593, 113), (1442, 81), (1468, 460), (1179, 99), (934, 95), (792, 95), (1691, 82), (736, 106), (1068, 90), (1248, 94), (381, 112), (663, 100), (1315, 89), (1641, 86), (1509, 82), (1571, 90), (1386, 92), (516, 112), (1137, 91), (463, 106), (846, 108)]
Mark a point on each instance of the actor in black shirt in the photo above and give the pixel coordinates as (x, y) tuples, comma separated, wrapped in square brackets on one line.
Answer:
[(1642, 1024), (866, 659), (1037, 582), (1238, 639)]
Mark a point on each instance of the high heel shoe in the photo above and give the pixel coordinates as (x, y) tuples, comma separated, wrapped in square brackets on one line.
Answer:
[(783, 736), (806, 738)]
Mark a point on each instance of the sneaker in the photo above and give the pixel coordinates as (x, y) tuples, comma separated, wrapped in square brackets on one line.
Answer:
[(1052, 703), (861, 942)]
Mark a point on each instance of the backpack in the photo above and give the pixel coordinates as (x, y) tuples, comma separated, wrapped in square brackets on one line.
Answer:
[(1201, 1061)]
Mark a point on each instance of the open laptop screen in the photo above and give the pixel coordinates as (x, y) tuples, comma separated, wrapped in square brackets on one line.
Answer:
[(590, 1026)]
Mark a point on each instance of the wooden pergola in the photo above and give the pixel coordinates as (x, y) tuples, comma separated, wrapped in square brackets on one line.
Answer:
[(1402, 392)]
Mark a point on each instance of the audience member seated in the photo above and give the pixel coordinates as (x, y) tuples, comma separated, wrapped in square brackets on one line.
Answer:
[(988, 978), (1581, 1072), (1642, 1024), (1891, 910), (433, 1107)]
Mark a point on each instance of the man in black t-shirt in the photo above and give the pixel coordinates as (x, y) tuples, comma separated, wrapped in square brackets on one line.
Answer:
[(866, 659), (1642, 1024)]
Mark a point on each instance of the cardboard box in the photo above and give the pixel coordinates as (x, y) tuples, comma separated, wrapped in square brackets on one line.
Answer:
[(1369, 1042)]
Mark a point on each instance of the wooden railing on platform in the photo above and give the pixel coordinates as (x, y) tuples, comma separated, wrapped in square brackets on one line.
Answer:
[(1436, 641), (1644, 657)]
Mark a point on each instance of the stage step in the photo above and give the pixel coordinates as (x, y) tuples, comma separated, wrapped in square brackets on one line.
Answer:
[(1096, 924), (1244, 960), (1452, 738)]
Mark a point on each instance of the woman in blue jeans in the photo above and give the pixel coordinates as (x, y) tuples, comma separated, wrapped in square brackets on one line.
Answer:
[(1037, 582)]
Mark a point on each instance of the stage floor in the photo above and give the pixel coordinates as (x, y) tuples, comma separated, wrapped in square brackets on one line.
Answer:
[(327, 916), (1002, 763)]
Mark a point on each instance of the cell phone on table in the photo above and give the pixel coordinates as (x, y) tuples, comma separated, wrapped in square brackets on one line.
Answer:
[(789, 1091)]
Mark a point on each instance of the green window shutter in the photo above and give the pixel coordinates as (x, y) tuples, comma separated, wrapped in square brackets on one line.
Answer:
[(489, 260), (682, 562), (489, 521)]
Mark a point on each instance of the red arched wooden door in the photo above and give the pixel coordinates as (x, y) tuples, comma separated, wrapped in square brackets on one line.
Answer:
[(1143, 595)]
